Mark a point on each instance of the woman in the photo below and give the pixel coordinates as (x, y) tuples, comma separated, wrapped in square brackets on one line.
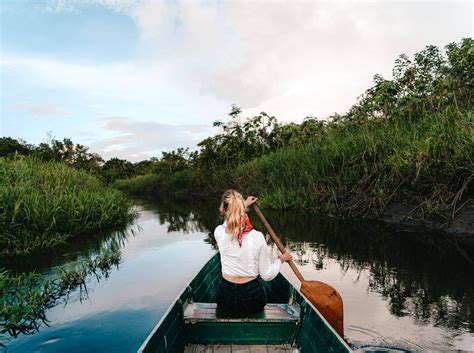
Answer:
[(244, 256)]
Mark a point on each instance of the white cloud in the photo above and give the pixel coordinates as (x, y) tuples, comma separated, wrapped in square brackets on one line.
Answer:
[(139, 140), (37, 110), (76, 5), (291, 59), (296, 58), (129, 78), (155, 18)]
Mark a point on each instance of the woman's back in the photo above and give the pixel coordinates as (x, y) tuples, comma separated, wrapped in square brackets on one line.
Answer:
[(248, 259)]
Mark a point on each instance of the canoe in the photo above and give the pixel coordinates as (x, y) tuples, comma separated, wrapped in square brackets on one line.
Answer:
[(288, 323)]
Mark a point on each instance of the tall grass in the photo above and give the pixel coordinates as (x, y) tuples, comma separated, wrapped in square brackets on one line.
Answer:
[(43, 204), (141, 185), (177, 184), (355, 170)]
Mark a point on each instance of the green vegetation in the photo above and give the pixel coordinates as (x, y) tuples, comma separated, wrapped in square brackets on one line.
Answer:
[(407, 140), (356, 170), (45, 203), (48, 196), (74, 155), (25, 298), (173, 172)]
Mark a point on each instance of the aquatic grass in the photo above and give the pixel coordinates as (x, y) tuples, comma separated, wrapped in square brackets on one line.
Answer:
[(25, 298), (45, 203)]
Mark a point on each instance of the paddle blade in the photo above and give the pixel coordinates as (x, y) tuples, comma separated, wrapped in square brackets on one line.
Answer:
[(328, 302)]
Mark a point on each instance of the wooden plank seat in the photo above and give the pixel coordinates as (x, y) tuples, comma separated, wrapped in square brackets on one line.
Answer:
[(276, 324), (210, 348)]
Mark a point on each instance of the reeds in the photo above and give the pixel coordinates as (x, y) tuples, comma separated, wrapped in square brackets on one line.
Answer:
[(25, 298), (43, 204)]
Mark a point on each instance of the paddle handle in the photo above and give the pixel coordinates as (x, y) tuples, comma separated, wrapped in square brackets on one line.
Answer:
[(277, 242)]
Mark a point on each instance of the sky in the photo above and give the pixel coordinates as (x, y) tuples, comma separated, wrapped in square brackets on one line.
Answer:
[(131, 79)]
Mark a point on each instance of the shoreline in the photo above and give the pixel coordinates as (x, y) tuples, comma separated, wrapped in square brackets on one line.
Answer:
[(402, 217), (407, 218)]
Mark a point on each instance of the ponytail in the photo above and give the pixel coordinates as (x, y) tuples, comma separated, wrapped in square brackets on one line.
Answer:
[(232, 207)]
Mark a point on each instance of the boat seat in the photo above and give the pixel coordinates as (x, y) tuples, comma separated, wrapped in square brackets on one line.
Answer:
[(276, 324), (236, 348), (200, 312)]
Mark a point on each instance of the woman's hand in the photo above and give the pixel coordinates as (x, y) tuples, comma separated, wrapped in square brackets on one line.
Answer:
[(286, 257), (250, 201)]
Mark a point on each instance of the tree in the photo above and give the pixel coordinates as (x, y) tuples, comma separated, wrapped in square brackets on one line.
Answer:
[(116, 168), (10, 146)]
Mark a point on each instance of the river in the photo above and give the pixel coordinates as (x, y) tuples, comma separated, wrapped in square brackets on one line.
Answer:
[(403, 291)]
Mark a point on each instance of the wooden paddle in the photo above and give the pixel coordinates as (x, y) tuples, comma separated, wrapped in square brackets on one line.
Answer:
[(324, 297)]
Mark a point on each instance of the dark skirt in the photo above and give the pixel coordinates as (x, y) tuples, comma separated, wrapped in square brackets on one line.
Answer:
[(245, 298)]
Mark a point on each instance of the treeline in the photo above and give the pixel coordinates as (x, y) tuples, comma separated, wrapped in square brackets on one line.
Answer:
[(409, 140), (77, 156), (74, 155)]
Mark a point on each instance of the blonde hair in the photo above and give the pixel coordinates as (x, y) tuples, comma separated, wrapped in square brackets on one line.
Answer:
[(233, 209)]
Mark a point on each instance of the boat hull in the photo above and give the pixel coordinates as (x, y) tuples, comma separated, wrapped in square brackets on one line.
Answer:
[(173, 333)]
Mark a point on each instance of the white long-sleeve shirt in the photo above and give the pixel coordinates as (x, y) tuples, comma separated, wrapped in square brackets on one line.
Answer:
[(250, 260)]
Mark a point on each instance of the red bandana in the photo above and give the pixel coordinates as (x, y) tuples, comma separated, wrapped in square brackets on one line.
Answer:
[(245, 227)]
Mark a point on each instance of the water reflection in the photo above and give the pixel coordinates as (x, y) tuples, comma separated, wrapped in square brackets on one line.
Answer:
[(77, 248), (186, 216), (421, 275), (26, 297), (31, 286)]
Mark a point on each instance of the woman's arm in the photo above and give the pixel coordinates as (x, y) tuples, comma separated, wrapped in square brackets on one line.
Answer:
[(267, 269), (250, 201)]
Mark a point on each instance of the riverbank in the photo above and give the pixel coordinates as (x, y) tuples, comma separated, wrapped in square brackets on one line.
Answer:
[(47, 203), (44, 205), (409, 218)]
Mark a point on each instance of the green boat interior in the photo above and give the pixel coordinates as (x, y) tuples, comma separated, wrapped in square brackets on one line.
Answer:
[(287, 324)]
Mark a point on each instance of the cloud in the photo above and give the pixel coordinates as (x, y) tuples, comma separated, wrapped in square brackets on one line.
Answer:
[(139, 140), (289, 58), (56, 6), (37, 110), (125, 77), (294, 58)]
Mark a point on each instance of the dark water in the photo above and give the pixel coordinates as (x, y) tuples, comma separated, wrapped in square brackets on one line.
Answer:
[(401, 290)]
